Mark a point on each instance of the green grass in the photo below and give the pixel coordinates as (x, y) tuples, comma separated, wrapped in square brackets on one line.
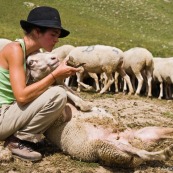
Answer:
[(120, 23)]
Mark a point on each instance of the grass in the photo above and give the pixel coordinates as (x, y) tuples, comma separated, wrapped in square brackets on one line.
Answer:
[(120, 23)]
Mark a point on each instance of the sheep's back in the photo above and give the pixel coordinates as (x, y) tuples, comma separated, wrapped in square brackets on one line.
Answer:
[(97, 57)]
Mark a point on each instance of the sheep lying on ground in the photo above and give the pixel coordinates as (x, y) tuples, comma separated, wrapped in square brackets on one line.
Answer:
[(163, 73), (99, 59), (89, 137), (138, 63), (4, 42), (41, 64)]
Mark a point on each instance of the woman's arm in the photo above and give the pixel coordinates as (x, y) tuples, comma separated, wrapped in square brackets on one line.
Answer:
[(25, 94)]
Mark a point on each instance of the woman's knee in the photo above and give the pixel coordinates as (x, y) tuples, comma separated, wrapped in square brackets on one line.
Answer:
[(59, 95)]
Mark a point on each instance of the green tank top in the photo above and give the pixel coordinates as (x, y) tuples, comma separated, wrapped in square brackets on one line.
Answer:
[(6, 93)]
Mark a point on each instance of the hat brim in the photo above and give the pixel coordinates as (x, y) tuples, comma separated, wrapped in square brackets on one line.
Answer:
[(25, 24)]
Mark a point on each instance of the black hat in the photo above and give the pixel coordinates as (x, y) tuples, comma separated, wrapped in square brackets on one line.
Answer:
[(45, 17)]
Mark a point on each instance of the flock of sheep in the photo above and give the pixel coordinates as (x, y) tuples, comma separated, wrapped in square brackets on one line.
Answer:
[(108, 65), (131, 71)]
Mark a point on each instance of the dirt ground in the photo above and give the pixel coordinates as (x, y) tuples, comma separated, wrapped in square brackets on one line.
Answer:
[(130, 112)]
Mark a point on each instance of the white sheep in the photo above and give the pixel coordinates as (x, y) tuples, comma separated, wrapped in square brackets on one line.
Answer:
[(40, 65), (88, 137), (163, 73), (4, 42), (138, 63), (62, 53), (99, 59)]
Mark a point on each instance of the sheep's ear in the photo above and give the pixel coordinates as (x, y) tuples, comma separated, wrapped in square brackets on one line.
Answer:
[(71, 58), (70, 61)]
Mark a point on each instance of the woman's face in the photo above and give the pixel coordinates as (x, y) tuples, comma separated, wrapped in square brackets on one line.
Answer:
[(49, 38)]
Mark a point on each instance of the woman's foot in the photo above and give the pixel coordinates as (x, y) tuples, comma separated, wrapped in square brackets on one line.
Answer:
[(22, 149)]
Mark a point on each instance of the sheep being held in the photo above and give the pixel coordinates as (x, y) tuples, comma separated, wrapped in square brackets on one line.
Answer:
[(40, 65)]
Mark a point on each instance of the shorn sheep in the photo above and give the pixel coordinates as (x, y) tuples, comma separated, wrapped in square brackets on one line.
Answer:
[(138, 63), (96, 142), (163, 74), (99, 59), (83, 138)]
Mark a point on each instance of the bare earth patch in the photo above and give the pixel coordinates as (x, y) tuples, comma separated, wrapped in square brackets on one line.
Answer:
[(129, 112)]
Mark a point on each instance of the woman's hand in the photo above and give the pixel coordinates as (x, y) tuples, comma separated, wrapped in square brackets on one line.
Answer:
[(63, 70)]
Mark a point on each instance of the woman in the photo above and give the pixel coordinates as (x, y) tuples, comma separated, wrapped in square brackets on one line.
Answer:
[(28, 111)]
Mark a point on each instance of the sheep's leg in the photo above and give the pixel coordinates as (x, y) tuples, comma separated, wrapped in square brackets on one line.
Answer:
[(79, 79), (124, 154), (140, 83), (154, 134), (127, 79), (145, 155), (161, 90), (149, 80), (95, 77), (80, 82), (108, 84), (116, 75), (83, 105)]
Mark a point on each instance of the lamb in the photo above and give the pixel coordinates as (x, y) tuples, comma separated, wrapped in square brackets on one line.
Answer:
[(41, 64), (138, 62), (163, 73), (4, 42), (99, 59), (85, 137)]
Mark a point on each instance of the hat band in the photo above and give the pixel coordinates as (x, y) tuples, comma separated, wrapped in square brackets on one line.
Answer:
[(47, 23)]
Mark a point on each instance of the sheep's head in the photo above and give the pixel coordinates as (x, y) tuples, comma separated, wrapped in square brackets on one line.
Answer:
[(40, 65)]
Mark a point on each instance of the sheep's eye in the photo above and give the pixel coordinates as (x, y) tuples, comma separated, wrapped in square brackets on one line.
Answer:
[(31, 63), (53, 58)]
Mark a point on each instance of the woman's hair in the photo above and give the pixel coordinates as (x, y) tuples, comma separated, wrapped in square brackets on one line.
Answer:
[(31, 27)]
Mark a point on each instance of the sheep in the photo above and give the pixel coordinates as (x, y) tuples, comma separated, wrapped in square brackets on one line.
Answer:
[(138, 62), (62, 53), (99, 59), (87, 137), (4, 42), (163, 73), (40, 64)]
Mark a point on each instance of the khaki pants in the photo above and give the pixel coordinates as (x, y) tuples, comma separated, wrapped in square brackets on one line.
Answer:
[(29, 122)]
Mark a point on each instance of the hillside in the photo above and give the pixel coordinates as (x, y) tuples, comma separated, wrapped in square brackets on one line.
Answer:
[(120, 23)]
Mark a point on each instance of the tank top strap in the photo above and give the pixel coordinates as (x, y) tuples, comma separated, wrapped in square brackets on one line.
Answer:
[(22, 43)]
